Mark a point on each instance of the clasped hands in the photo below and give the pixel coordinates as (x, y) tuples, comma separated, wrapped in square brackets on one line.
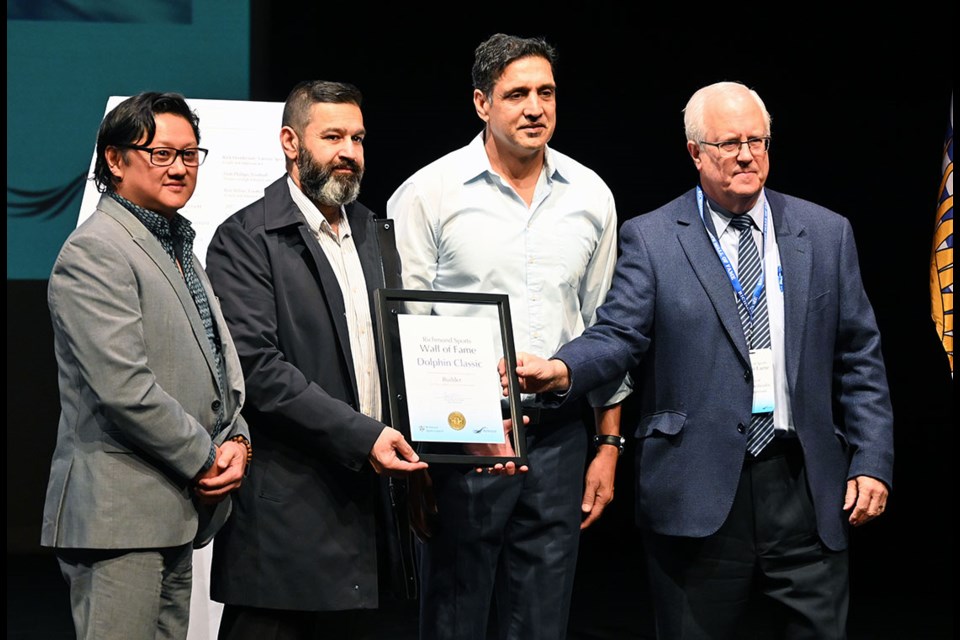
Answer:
[(224, 475)]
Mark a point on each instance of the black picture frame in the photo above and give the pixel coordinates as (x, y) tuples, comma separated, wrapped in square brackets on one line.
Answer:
[(390, 303)]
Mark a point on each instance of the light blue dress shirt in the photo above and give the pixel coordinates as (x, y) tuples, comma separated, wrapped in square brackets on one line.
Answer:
[(461, 227)]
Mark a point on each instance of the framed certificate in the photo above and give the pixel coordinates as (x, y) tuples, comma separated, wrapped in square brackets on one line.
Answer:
[(440, 354)]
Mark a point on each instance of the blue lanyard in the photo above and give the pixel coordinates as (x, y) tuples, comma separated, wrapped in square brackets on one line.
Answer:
[(749, 304)]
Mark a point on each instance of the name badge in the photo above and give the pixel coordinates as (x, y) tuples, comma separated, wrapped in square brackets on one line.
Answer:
[(761, 362)]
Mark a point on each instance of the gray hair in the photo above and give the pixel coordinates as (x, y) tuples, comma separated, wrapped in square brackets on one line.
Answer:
[(693, 121)]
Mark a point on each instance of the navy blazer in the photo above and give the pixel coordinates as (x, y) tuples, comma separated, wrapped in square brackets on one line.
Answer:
[(303, 535), (671, 318)]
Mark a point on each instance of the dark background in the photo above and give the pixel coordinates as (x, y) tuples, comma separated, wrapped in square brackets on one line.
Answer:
[(860, 108)]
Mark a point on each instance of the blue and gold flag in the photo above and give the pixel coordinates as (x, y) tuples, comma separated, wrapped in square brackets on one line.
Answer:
[(941, 259)]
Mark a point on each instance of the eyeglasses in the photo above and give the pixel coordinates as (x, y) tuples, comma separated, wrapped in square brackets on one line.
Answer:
[(166, 156), (757, 146)]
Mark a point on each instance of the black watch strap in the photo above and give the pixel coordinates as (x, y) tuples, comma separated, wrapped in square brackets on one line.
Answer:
[(616, 441)]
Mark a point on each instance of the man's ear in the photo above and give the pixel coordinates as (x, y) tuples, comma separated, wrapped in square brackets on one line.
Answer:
[(694, 150), (116, 161), (481, 104), (290, 142)]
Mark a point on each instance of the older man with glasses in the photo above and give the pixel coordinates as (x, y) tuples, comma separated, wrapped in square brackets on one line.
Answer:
[(765, 426)]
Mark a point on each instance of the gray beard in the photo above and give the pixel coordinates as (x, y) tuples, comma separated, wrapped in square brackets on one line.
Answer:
[(323, 187)]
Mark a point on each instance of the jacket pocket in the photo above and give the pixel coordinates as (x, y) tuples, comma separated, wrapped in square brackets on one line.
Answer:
[(667, 423), (819, 302)]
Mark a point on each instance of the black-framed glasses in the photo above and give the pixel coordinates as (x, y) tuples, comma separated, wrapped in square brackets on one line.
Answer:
[(166, 156), (757, 146)]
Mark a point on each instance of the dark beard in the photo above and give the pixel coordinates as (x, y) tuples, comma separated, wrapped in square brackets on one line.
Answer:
[(322, 186)]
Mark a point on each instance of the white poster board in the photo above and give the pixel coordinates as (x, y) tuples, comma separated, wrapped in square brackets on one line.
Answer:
[(245, 156)]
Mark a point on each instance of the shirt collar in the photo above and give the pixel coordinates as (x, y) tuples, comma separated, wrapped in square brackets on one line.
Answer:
[(721, 217), (475, 162), (317, 222), (158, 225)]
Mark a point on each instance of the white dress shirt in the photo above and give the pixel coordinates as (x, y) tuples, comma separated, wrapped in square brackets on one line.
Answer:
[(341, 251), (461, 227), (729, 241)]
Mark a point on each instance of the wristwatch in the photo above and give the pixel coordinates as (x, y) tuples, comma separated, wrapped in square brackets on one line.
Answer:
[(616, 441)]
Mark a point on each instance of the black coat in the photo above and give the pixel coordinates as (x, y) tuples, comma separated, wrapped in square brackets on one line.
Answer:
[(303, 532)]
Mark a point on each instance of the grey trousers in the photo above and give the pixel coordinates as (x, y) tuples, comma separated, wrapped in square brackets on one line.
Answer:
[(129, 594)]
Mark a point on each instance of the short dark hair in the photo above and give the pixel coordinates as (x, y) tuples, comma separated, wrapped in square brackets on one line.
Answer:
[(499, 50), (131, 120), (296, 110)]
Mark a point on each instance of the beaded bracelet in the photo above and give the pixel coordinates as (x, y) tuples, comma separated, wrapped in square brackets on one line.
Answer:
[(242, 440)]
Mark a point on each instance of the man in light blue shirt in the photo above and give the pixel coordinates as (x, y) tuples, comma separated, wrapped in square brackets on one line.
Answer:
[(507, 214)]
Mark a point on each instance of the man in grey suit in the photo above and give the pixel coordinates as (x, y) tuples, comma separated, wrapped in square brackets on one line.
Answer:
[(727, 516), (151, 442)]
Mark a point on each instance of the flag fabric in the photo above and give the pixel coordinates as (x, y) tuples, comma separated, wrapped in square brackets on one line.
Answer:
[(941, 259)]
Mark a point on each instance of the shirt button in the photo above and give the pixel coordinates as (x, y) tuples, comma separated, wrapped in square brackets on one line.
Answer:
[(215, 405)]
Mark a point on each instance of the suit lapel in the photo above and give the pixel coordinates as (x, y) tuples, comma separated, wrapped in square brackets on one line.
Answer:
[(329, 286), (150, 246), (706, 266), (288, 219), (330, 289), (796, 259)]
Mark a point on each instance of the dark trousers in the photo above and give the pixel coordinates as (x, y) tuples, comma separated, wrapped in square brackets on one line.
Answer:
[(512, 539), (250, 623), (766, 558)]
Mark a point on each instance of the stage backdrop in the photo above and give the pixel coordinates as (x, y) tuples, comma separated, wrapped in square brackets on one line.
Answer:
[(63, 59)]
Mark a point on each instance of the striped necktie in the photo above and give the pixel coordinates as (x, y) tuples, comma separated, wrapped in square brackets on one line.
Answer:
[(757, 328)]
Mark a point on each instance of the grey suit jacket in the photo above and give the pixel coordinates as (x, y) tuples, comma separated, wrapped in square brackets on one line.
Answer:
[(138, 392), (672, 318)]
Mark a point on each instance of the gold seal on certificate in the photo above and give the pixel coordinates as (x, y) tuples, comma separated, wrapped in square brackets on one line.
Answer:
[(456, 420)]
